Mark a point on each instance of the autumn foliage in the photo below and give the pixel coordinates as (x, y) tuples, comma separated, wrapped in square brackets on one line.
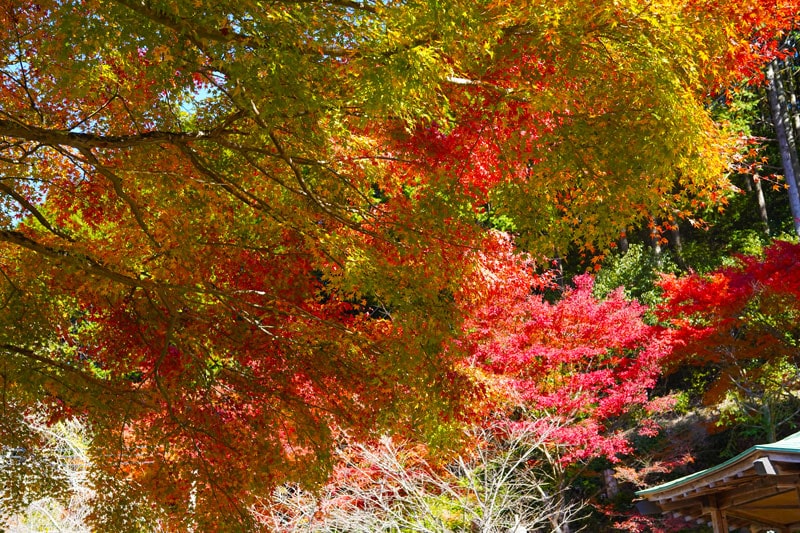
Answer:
[(739, 320), (232, 231), (583, 364)]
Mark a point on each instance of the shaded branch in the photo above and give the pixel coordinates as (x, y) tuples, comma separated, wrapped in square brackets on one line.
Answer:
[(197, 33), (308, 193), (116, 182), (94, 381), (22, 201), (82, 261), (88, 141)]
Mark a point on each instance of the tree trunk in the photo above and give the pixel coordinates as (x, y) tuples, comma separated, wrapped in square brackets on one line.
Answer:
[(558, 263), (791, 92), (655, 240), (762, 204), (768, 422), (623, 245), (748, 184), (676, 243), (783, 132), (610, 483)]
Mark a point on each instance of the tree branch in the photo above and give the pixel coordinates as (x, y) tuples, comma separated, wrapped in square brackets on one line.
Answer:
[(22, 201), (116, 182), (82, 261), (196, 33), (88, 141), (94, 381)]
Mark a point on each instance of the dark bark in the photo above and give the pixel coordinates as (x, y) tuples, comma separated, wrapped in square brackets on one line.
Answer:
[(676, 243), (623, 245), (748, 184), (762, 204)]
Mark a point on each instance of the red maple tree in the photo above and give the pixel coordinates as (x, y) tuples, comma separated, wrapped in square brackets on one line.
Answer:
[(583, 362)]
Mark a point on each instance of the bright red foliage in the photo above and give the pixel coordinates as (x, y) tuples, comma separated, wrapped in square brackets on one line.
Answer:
[(583, 362), (738, 316)]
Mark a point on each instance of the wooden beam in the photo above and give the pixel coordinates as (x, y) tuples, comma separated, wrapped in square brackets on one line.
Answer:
[(792, 507), (718, 520), (748, 494), (686, 502), (778, 526), (794, 526), (764, 467), (783, 457), (785, 468)]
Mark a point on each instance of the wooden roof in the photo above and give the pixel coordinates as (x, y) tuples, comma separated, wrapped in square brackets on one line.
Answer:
[(758, 490)]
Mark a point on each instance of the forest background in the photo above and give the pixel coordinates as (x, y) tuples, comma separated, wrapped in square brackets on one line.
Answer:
[(411, 266)]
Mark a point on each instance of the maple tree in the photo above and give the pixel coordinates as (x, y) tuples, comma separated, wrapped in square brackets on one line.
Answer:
[(230, 230), (581, 362), (741, 321)]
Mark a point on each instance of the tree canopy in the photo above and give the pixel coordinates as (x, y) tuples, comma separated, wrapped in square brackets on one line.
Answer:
[(232, 232)]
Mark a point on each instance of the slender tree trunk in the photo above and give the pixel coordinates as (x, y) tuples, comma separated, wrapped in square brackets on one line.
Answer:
[(655, 240), (791, 91), (768, 422), (676, 243), (559, 268), (623, 244), (748, 184), (783, 131), (762, 204)]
